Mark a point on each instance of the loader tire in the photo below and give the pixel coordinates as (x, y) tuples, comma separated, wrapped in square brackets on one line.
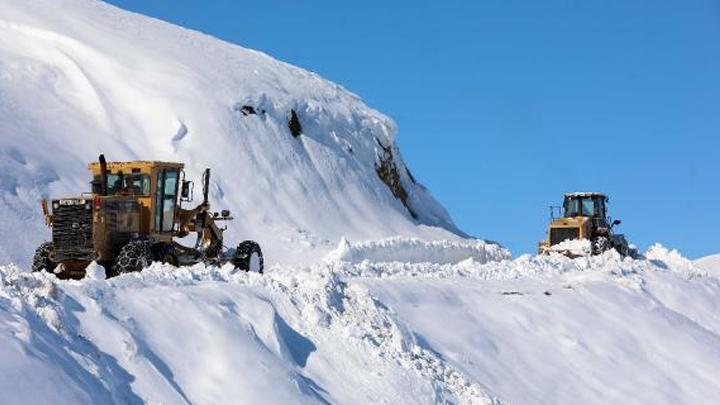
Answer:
[(134, 256), (41, 259), (623, 249), (249, 257), (600, 245)]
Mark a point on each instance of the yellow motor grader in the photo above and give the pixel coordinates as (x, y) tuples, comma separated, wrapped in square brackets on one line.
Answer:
[(584, 217), (132, 218)]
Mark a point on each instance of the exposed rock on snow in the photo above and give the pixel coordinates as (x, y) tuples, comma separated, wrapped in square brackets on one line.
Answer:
[(388, 172), (294, 124)]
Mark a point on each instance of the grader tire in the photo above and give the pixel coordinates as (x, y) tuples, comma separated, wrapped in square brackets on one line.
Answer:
[(249, 257), (134, 256)]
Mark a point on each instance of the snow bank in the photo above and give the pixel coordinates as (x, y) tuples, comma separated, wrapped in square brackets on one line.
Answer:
[(414, 332), (414, 250), (711, 264), (296, 335), (609, 264), (673, 260)]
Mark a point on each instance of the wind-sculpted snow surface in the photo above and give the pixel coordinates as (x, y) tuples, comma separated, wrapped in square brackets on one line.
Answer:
[(80, 77), (599, 330)]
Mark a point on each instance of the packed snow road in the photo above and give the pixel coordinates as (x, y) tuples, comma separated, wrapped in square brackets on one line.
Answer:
[(529, 330)]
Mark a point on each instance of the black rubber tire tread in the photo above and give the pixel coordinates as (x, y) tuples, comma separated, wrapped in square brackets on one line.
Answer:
[(134, 256), (623, 249), (164, 253), (600, 245), (244, 252), (41, 259)]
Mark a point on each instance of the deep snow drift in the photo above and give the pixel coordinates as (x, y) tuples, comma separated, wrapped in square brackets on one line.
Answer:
[(542, 330), (79, 77)]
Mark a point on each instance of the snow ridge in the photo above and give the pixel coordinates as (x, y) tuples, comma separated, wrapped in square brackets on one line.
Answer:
[(317, 324), (335, 310), (414, 250)]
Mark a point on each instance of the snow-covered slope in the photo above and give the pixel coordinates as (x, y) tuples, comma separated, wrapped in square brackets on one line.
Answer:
[(710, 263), (541, 330), (80, 77)]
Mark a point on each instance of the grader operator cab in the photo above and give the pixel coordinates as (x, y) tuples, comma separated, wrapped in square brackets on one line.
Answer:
[(132, 218), (584, 217)]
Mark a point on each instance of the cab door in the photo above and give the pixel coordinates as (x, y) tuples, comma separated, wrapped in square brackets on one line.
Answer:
[(166, 200)]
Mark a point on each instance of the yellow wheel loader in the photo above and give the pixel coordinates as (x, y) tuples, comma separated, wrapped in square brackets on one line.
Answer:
[(132, 218), (584, 217)]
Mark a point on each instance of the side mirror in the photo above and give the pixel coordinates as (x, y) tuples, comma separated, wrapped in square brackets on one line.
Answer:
[(616, 222), (187, 190)]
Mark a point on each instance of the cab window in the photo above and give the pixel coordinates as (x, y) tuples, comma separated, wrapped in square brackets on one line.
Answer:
[(572, 207), (588, 207), (126, 184), (165, 200)]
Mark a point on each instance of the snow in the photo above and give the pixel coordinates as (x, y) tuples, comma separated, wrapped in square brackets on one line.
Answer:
[(589, 341), (529, 330), (362, 302), (401, 249), (580, 247), (710, 263)]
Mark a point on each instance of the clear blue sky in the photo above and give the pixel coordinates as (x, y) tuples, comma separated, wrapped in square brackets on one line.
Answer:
[(504, 105)]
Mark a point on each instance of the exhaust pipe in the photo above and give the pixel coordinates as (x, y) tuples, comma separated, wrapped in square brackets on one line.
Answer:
[(103, 176), (206, 185)]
